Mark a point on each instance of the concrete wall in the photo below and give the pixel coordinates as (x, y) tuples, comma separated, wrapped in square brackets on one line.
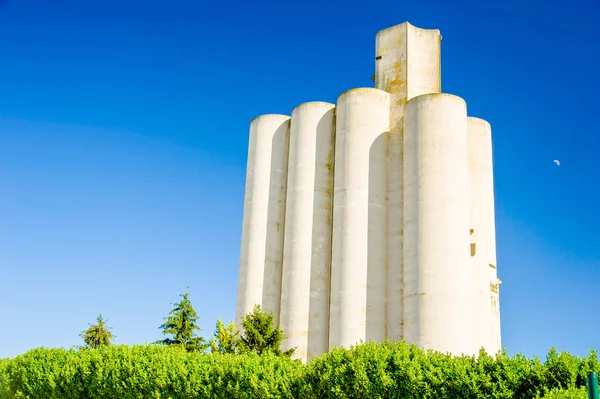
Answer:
[(481, 192), (403, 80), (359, 257), (261, 254), (304, 314), (437, 266), (404, 248)]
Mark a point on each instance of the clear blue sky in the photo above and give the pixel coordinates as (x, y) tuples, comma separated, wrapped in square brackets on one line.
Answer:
[(124, 131)]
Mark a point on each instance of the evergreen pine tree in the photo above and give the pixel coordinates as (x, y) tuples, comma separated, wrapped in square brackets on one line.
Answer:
[(97, 335), (181, 324), (259, 335)]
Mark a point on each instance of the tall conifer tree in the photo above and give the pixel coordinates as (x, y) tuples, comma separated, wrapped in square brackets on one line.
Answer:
[(181, 325)]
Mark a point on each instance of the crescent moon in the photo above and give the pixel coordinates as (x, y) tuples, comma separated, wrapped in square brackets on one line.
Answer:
[(557, 162)]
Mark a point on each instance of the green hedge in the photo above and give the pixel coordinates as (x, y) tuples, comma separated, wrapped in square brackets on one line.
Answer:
[(3, 383), (147, 372), (397, 370), (571, 393), (387, 370)]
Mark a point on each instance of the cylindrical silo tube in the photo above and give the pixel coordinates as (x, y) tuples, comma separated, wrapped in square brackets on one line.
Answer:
[(359, 258), (437, 269), (483, 236), (304, 316), (261, 254)]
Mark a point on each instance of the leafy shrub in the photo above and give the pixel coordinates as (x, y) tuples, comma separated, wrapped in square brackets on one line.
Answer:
[(399, 370), (147, 372), (372, 370), (571, 393), (3, 381)]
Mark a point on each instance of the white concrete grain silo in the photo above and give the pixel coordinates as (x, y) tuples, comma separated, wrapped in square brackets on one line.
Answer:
[(373, 218), (437, 266), (359, 255), (261, 255), (304, 312)]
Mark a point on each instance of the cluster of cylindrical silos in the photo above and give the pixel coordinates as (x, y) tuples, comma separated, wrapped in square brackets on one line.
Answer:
[(373, 218)]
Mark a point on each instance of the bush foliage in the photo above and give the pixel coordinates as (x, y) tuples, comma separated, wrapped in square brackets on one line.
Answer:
[(385, 370), (570, 393)]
